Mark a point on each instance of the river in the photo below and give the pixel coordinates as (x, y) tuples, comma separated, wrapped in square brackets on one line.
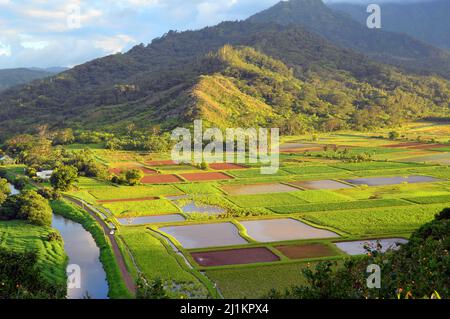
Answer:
[(82, 251)]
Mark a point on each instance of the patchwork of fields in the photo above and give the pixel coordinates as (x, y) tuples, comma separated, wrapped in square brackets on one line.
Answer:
[(248, 233)]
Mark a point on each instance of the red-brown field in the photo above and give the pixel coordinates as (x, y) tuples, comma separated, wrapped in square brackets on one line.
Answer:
[(160, 179), (148, 171), (306, 251), (234, 257), (127, 200), (226, 166), (212, 176)]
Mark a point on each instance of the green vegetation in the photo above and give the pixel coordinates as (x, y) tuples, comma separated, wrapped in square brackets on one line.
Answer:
[(254, 281), (198, 188), (374, 221), (322, 207), (158, 261), (28, 257), (117, 288), (125, 192), (320, 196), (63, 177), (265, 200), (375, 166), (430, 199), (311, 170), (143, 208), (29, 206), (416, 270)]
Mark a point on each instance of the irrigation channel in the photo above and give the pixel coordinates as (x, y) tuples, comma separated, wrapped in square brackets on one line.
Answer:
[(83, 252)]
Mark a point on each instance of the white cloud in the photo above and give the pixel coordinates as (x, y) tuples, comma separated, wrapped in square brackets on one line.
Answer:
[(5, 50), (113, 44)]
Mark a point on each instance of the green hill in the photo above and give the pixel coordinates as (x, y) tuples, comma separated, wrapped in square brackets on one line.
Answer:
[(235, 73)]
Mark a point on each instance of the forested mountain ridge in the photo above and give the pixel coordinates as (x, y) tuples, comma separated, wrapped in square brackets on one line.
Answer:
[(12, 77), (428, 21), (339, 28), (266, 72)]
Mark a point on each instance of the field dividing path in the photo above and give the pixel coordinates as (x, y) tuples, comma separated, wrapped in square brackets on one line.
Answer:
[(126, 276)]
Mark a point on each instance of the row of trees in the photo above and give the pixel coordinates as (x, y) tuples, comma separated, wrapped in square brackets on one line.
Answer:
[(28, 205)]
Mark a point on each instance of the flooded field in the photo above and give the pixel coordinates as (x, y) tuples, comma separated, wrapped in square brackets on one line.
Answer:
[(192, 207), (258, 189), (322, 184), (396, 180), (283, 229), (360, 247), (151, 219), (205, 235)]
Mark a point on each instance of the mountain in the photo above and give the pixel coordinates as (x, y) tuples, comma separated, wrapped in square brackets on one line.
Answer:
[(12, 77), (52, 69), (339, 28), (233, 74), (428, 21)]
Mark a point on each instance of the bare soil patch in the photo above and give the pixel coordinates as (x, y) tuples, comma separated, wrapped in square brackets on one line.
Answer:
[(212, 176), (160, 179)]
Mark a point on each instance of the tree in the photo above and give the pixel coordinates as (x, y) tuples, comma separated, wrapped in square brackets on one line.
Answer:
[(393, 135), (35, 209), (4, 190), (134, 176), (28, 205), (152, 290), (63, 177)]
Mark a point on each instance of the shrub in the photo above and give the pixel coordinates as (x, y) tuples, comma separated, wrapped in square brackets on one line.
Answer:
[(54, 236), (63, 177)]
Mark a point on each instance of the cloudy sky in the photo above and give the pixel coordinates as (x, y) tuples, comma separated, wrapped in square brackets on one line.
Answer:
[(44, 33)]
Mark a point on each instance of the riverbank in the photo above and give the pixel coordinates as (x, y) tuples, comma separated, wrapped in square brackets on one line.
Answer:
[(117, 287)]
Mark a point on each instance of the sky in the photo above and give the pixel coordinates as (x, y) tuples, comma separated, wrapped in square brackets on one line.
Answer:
[(46, 33)]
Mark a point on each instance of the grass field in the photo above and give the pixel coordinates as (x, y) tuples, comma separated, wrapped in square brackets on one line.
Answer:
[(143, 208), (321, 207), (157, 262), (21, 236), (264, 200), (376, 221), (124, 192), (256, 281)]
